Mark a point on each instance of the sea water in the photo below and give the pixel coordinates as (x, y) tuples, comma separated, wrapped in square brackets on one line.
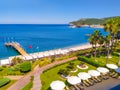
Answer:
[(41, 37)]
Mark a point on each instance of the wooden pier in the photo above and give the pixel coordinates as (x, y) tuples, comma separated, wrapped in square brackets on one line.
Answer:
[(17, 46)]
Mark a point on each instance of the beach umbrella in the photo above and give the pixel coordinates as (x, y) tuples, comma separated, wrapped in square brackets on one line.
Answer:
[(83, 75), (46, 53), (34, 56), (28, 57), (117, 70), (57, 52), (51, 53), (40, 55), (94, 73), (102, 70), (73, 80), (112, 66), (57, 85)]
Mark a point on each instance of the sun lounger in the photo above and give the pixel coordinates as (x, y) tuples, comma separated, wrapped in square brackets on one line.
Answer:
[(112, 73), (91, 83), (72, 88), (96, 81), (80, 87), (99, 80), (86, 84), (115, 75), (76, 87), (67, 88), (104, 77)]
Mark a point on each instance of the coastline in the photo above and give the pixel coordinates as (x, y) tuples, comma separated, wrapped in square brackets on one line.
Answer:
[(38, 55)]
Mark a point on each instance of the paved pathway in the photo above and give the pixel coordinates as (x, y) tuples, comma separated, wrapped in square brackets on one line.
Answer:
[(14, 77), (36, 73), (37, 83)]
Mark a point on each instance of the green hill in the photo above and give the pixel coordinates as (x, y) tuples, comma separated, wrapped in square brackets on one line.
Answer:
[(91, 21)]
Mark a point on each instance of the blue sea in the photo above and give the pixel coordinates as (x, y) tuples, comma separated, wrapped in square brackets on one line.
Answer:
[(41, 37)]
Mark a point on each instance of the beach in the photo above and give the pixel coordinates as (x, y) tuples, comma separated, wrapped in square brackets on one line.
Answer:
[(38, 55)]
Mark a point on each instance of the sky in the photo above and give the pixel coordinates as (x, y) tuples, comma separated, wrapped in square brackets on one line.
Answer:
[(55, 11)]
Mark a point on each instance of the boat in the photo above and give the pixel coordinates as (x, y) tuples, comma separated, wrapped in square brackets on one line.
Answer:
[(87, 34)]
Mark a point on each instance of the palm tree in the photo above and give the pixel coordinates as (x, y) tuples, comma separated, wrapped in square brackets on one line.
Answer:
[(100, 42), (94, 40), (107, 45), (17, 60), (112, 26), (91, 40)]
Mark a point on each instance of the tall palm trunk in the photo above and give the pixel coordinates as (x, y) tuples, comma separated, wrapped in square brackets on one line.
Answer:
[(100, 49), (108, 52), (95, 51), (92, 50)]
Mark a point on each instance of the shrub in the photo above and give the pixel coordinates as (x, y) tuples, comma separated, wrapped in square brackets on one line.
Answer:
[(70, 66), (16, 68), (4, 81), (1, 68), (115, 54), (25, 67), (91, 61), (64, 72)]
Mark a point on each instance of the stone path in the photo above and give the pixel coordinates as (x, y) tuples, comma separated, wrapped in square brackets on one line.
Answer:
[(37, 83), (36, 73)]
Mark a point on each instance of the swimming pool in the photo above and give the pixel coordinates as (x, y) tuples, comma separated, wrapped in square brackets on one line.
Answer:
[(117, 87)]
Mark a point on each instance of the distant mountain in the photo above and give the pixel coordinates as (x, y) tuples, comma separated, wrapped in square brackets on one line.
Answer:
[(91, 21)]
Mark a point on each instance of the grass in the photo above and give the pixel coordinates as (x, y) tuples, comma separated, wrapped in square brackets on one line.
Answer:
[(50, 75), (28, 86), (8, 85), (102, 59)]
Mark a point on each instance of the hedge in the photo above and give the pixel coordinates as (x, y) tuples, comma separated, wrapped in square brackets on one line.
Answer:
[(91, 61), (4, 81), (1, 68), (25, 67), (115, 54)]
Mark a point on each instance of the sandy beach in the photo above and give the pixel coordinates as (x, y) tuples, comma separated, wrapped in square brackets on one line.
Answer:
[(37, 55)]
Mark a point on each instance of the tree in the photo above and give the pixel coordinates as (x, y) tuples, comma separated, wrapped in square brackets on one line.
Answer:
[(100, 42), (107, 45), (94, 40), (91, 40), (17, 60), (112, 26), (25, 67)]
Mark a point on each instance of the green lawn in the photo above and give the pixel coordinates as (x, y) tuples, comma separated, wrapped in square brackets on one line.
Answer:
[(102, 59), (50, 75), (28, 86), (8, 85)]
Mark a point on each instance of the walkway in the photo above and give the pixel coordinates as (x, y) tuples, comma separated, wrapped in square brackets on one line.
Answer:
[(14, 77), (37, 84), (36, 73), (16, 46)]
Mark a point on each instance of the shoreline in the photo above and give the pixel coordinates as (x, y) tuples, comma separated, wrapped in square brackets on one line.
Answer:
[(38, 55)]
